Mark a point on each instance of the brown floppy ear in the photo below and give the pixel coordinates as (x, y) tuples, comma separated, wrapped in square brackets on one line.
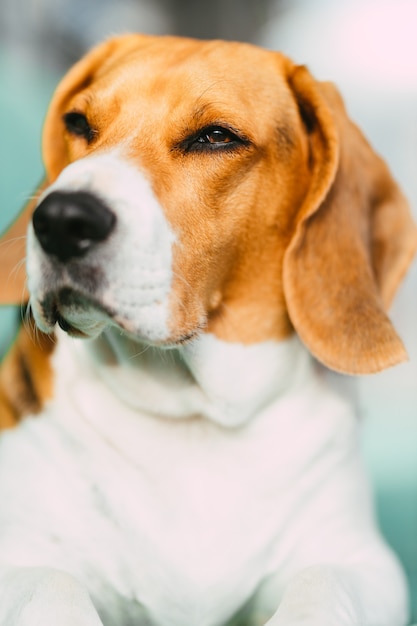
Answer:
[(13, 254), (353, 241), (13, 242)]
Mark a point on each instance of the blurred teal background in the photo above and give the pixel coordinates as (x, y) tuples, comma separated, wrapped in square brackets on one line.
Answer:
[(24, 95), (367, 47)]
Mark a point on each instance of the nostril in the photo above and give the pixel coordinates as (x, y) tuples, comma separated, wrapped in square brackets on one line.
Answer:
[(67, 225)]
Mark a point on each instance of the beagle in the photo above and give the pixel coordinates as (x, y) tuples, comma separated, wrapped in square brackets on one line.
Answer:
[(211, 224)]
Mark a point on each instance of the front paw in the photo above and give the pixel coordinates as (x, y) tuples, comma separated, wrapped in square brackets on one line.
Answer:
[(44, 597)]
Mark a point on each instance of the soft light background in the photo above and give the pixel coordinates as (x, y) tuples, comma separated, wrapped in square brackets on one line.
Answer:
[(368, 47)]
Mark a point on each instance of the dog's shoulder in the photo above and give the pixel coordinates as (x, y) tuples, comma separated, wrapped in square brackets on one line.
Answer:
[(26, 376)]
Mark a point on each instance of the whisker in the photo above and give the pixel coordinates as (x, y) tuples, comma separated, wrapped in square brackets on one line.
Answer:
[(213, 84), (10, 242), (182, 279), (138, 354), (17, 267), (32, 195), (12, 276), (29, 323)]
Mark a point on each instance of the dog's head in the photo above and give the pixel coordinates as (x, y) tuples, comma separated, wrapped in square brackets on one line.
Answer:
[(210, 186)]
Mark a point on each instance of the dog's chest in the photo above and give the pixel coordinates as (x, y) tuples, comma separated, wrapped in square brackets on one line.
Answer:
[(182, 516), (190, 511), (199, 530)]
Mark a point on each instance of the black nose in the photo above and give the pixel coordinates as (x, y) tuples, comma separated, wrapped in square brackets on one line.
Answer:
[(69, 224)]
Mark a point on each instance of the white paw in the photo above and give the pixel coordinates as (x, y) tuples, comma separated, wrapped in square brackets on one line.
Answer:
[(44, 597)]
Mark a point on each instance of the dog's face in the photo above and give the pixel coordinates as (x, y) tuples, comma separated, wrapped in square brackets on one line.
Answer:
[(190, 176), (199, 187)]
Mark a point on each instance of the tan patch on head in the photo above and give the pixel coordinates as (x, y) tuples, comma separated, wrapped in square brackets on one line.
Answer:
[(233, 210), (26, 377)]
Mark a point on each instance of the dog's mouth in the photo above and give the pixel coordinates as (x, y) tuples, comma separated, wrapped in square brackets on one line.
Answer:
[(83, 316), (77, 314), (66, 326)]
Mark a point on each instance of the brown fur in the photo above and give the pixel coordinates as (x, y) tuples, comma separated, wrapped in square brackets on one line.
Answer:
[(26, 376), (12, 258), (353, 243), (303, 228)]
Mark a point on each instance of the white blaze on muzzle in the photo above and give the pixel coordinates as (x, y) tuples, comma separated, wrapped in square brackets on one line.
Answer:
[(125, 279)]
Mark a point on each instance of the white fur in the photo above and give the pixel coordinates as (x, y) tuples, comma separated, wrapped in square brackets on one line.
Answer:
[(183, 521), (227, 390)]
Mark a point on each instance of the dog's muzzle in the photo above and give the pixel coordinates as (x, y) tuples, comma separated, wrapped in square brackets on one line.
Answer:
[(90, 267), (69, 224)]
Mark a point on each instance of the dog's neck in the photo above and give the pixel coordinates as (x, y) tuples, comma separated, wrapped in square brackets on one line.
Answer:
[(227, 383)]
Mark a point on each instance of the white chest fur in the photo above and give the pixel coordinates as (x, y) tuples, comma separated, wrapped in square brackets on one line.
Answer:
[(186, 515)]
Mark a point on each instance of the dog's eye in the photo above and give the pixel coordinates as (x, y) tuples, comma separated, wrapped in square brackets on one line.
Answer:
[(213, 138), (216, 136), (77, 124)]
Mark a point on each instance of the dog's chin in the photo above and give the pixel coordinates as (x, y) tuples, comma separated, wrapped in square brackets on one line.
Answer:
[(80, 329), (75, 313), (80, 326), (174, 341), (91, 330), (82, 316)]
